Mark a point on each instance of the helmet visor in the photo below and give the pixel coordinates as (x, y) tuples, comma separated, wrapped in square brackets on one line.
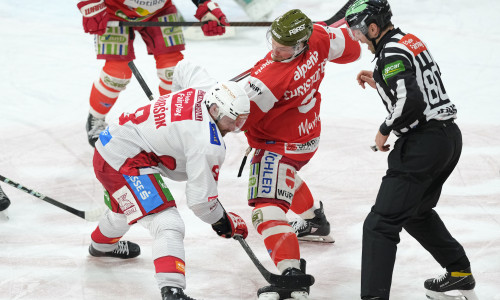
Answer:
[(281, 52), (359, 28)]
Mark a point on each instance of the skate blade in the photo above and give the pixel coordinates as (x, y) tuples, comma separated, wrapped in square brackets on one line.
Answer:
[(269, 296), (298, 295), (469, 294), (452, 295), (4, 216), (317, 238)]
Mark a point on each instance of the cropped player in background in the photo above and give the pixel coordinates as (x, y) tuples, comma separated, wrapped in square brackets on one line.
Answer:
[(4, 204), (284, 129), (115, 46), (179, 136), (427, 150)]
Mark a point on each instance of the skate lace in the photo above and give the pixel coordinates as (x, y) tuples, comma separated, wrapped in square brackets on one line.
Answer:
[(299, 225), (97, 125), (122, 248), (440, 278)]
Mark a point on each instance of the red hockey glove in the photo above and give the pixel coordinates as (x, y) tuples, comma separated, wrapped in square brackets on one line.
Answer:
[(210, 13), (95, 17), (230, 225)]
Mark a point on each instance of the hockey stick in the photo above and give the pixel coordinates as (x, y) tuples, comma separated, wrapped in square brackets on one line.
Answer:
[(339, 15), (93, 215), (274, 279), (141, 80), (184, 24), (241, 76)]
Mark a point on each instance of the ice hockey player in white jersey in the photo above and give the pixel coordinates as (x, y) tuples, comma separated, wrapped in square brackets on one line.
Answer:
[(179, 136)]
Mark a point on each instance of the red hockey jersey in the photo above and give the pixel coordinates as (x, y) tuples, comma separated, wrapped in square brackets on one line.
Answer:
[(285, 101), (135, 10)]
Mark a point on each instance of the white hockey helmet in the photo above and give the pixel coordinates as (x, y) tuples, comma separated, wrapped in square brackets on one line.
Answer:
[(230, 98)]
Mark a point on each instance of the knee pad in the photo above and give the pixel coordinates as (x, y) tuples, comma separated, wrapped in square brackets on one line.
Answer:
[(115, 76), (169, 219), (265, 216), (165, 66)]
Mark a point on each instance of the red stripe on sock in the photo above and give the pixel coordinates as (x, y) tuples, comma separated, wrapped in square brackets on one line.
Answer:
[(100, 238), (170, 264)]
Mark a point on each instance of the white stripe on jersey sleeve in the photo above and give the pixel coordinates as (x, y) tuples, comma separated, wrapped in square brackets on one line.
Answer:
[(259, 93)]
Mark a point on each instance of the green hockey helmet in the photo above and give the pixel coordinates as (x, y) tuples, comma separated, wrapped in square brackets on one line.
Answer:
[(292, 28), (364, 12)]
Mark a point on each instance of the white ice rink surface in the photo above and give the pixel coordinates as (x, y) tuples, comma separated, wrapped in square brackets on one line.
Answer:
[(48, 66)]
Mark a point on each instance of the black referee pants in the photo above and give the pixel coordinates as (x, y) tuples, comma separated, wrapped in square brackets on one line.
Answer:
[(419, 164)]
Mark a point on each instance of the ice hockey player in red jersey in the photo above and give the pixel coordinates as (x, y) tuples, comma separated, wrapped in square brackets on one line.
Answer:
[(178, 136), (284, 129), (115, 46)]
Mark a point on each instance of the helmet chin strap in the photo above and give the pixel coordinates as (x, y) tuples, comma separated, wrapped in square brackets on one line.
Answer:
[(374, 40)]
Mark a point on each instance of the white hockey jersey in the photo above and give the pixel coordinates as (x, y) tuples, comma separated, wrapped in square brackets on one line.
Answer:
[(176, 137)]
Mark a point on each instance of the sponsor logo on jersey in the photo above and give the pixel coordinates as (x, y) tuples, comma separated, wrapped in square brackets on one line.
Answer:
[(127, 203), (268, 174), (198, 113), (308, 65), (108, 38), (105, 136), (307, 147), (297, 29), (413, 43), (145, 191), (286, 183), (179, 266), (450, 110), (257, 217), (265, 64), (255, 88), (182, 105), (392, 69), (214, 201), (306, 126), (252, 180), (215, 172), (214, 135), (159, 112)]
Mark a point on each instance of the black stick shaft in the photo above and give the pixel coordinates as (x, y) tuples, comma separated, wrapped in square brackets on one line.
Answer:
[(41, 196), (141, 80)]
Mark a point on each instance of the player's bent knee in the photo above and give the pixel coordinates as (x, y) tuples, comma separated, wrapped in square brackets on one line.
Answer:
[(264, 216), (169, 220)]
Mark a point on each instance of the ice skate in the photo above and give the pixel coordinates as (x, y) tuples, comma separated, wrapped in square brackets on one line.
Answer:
[(4, 204), (452, 286), (124, 250), (316, 229), (272, 292), (173, 293), (94, 127)]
